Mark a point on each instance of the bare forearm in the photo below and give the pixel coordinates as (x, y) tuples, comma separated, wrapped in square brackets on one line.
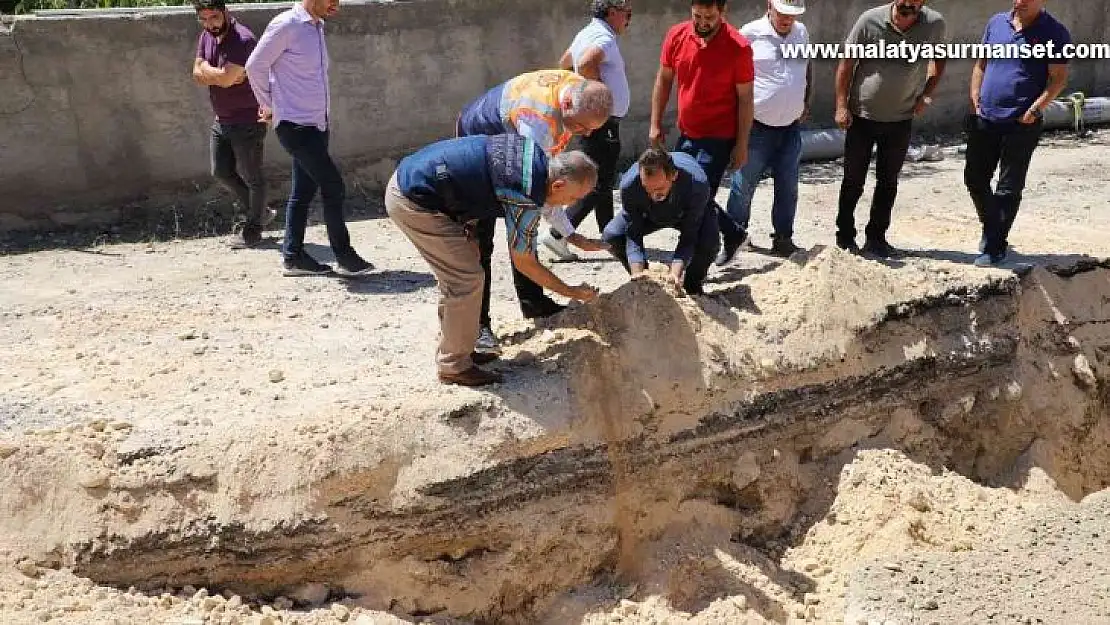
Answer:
[(1056, 84), (744, 122), (208, 71), (660, 94), (589, 64), (220, 77), (843, 82), (936, 70), (809, 83), (976, 83), (213, 75), (566, 61), (199, 74)]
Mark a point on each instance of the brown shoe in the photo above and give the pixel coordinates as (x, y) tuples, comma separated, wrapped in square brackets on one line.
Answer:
[(471, 377), (482, 358)]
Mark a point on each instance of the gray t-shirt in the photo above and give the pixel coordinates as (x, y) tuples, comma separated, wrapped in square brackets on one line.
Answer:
[(886, 89)]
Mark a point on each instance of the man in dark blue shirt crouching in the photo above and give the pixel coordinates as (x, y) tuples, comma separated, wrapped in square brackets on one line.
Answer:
[(666, 190), (438, 195)]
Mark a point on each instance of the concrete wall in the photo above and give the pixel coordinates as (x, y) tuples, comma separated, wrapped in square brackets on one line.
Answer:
[(98, 113)]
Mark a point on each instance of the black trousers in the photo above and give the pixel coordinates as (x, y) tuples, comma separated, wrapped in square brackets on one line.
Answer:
[(893, 141), (1008, 147), (236, 153), (603, 146)]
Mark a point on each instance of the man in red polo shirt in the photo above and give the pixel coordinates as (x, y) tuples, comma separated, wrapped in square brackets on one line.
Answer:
[(715, 69)]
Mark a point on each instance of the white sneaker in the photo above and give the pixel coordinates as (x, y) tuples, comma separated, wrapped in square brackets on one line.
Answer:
[(558, 247), (487, 342)]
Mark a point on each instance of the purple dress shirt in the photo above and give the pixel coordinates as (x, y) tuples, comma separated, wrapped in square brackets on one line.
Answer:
[(288, 69)]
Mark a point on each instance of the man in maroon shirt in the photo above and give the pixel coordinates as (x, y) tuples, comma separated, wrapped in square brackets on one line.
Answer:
[(715, 69), (238, 135)]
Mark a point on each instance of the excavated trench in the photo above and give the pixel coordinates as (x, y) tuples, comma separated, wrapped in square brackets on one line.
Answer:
[(988, 381)]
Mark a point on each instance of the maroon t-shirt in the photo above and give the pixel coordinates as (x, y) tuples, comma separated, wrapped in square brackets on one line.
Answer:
[(235, 104)]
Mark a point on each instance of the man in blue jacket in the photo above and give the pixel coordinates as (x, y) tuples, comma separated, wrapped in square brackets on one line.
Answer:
[(437, 197), (666, 190)]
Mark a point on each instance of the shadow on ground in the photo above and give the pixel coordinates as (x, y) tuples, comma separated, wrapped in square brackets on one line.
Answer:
[(159, 222)]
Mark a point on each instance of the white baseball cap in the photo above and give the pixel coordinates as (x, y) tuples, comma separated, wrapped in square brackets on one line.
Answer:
[(789, 7)]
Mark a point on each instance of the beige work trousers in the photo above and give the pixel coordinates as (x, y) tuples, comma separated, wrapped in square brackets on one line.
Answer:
[(455, 262)]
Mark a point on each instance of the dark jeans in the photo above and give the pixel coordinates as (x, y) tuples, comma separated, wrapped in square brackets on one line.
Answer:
[(313, 169), (714, 155), (236, 152), (778, 148), (893, 141), (708, 244), (604, 147), (1008, 147)]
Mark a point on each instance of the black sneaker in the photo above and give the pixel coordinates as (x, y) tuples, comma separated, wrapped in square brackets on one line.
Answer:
[(729, 248), (248, 237), (783, 246), (304, 265), (252, 235), (848, 245), (880, 248), (352, 264)]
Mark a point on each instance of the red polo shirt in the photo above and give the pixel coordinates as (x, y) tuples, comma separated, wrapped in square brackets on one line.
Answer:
[(707, 75)]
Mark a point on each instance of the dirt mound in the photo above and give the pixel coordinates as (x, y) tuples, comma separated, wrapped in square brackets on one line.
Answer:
[(803, 321)]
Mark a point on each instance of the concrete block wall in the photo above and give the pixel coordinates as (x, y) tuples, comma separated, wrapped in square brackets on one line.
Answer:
[(99, 118)]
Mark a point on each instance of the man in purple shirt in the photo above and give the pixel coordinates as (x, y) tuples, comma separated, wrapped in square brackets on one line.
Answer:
[(1008, 99), (288, 71), (238, 135)]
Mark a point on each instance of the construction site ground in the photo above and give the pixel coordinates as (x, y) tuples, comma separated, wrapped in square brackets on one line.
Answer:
[(149, 383)]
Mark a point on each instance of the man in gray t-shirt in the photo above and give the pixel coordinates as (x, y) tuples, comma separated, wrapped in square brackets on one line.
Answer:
[(876, 101)]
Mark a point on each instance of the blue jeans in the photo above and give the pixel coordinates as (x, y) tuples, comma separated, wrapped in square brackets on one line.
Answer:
[(313, 170), (713, 154), (777, 148)]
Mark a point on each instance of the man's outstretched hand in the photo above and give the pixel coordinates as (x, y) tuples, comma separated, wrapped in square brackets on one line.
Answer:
[(587, 244), (583, 293)]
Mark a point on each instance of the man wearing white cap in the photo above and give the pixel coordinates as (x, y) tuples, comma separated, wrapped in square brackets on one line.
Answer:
[(782, 99)]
